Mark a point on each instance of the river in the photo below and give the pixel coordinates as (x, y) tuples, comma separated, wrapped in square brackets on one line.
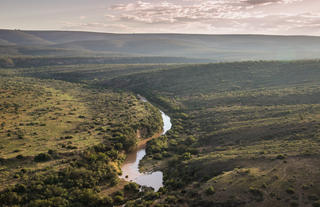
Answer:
[(130, 168)]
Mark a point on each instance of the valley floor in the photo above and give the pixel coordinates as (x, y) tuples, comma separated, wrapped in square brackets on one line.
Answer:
[(244, 133)]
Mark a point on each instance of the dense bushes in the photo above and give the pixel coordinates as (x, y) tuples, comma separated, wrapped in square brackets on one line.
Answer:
[(72, 186), (210, 190), (131, 188), (45, 61), (232, 115), (42, 157), (225, 116), (77, 184)]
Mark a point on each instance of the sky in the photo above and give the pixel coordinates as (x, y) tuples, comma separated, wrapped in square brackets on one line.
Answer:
[(278, 17)]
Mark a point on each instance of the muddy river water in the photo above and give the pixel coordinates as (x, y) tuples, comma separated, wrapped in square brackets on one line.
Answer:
[(130, 168)]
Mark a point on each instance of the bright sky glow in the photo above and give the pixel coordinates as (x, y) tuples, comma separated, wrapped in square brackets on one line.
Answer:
[(284, 17)]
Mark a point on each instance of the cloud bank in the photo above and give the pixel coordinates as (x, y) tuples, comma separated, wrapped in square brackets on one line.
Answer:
[(212, 16)]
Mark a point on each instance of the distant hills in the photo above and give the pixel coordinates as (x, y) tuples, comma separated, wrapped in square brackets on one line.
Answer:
[(209, 47)]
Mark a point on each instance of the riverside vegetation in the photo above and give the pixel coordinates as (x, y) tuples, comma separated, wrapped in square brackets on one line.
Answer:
[(244, 134), (63, 143)]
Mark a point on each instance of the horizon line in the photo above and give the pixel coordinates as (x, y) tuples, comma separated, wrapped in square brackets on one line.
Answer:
[(156, 33)]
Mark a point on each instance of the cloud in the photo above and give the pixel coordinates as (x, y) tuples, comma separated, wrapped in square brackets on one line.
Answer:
[(168, 12), (267, 2), (202, 10), (206, 16), (96, 26), (215, 16)]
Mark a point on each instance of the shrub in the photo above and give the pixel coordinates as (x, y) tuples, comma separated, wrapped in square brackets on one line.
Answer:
[(42, 157), (19, 157), (290, 191), (171, 199), (313, 197), (210, 190), (20, 188), (257, 193), (151, 196), (157, 156), (186, 156), (119, 146), (190, 140), (280, 157), (23, 170), (52, 152), (118, 199), (107, 201), (316, 204), (9, 198), (131, 188)]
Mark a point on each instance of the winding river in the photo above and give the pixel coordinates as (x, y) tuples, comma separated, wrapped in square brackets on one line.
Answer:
[(130, 168)]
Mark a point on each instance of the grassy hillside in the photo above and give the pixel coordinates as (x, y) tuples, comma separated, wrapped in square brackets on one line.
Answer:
[(213, 47), (196, 79), (40, 51), (61, 142), (22, 38), (26, 62), (93, 74), (244, 133), (59, 37), (5, 42)]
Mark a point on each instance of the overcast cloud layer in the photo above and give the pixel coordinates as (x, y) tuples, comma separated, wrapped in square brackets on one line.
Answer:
[(284, 17)]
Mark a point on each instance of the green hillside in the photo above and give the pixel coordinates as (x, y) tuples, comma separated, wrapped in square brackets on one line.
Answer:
[(68, 36), (244, 133), (5, 42), (22, 38), (213, 47), (29, 61), (62, 142)]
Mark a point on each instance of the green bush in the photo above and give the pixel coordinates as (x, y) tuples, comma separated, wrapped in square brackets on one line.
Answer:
[(313, 197), (280, 157), (186, 156), (118, 199), (131, 188), (316, 204), (171, 199), (42, 157), (257, 193), (210, 190), (20, 157), (157, 156), (290, 191)]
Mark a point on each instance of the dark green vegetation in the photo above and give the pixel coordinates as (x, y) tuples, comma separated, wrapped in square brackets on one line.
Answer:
[(244, 134), (16, 62), (213, 47), (61, 143)]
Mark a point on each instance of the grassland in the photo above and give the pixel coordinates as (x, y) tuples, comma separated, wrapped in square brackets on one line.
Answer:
[(244, 133), (213, 47), (52, 127)]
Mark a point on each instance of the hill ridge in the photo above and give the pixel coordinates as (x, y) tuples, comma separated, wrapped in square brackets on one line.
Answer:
[(218, 47)]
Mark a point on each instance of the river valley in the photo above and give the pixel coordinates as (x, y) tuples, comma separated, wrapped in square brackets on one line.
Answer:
[(130, 168)]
